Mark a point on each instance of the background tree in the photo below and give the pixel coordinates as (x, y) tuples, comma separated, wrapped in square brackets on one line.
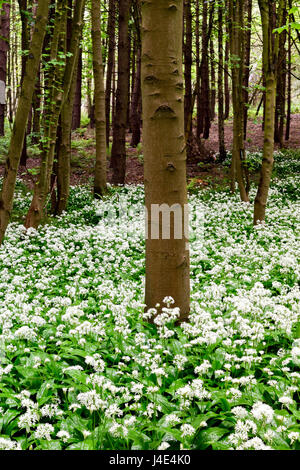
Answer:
[(4, 46), (118, 152), (100, 125), (268, 12), (24, 104)]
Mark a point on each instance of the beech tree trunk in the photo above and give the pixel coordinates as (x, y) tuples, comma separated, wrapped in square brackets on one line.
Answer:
[(167, 255), (4, 47), (136, 102), (25, 46), (213, 82), (289, 88), (118, 152), (24, 105), (226, 74), (204, 112), (270, 60), (187, 63), (100, 125), (76, 114), (236, 13), (281, 86), (222, 150), (247, 63), (111, 25), (64, 149)]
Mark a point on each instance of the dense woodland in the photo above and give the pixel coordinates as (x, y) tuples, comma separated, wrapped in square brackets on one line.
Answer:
[(115, 335)]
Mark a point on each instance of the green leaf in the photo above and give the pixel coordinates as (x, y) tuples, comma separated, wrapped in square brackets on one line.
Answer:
[(208, 436)]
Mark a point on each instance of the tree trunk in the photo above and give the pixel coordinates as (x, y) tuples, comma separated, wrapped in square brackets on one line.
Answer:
[(76, 114), (118, 152), (281, 86), (247, 64), (270, 60), (167, 254), (204, 112), (63, 148), (289, 89), (135, 104), (100, 125), (4, 47), (24, 104), (226, 74), (236, 13), (222, 150), (187, 64), (111, 26), (63, 75), (25, 46), (213, 82)]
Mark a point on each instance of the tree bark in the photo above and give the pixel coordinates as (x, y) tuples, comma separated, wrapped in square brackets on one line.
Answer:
[(100, 125), (136, 102), (226, 71), (247, 63), (236, 14), (76, 114), (187, 63), (167, 257), (111, 26), (213, 82), (118, 152), (289, 88), (222, 150), (25, 46), (270, 60), (4, 47)]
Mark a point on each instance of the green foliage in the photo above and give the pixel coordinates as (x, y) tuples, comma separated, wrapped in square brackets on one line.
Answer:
[(81, 368)]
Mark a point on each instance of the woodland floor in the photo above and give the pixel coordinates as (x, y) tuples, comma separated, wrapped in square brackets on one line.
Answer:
[(83, 151)]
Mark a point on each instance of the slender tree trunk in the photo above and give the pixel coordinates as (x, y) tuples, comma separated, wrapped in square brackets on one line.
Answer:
[(63, 148), (289, 88), (270, 60), (100, 125), (91, 106), (187, 63), (25, 46), (226, 71), (41, 190), (135, 104), (198, 75), (167, 255), (222, 150), (36, 109), (111, 25), (118, 152), (76, 115), (247, 63), (281, 86), (4, 47), (213, 82), (204, 124), (236, 12), (24, 104), (130, 64)]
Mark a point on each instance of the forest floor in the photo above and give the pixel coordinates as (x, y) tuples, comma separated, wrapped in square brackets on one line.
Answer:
[(80, 366), (208, 173)]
